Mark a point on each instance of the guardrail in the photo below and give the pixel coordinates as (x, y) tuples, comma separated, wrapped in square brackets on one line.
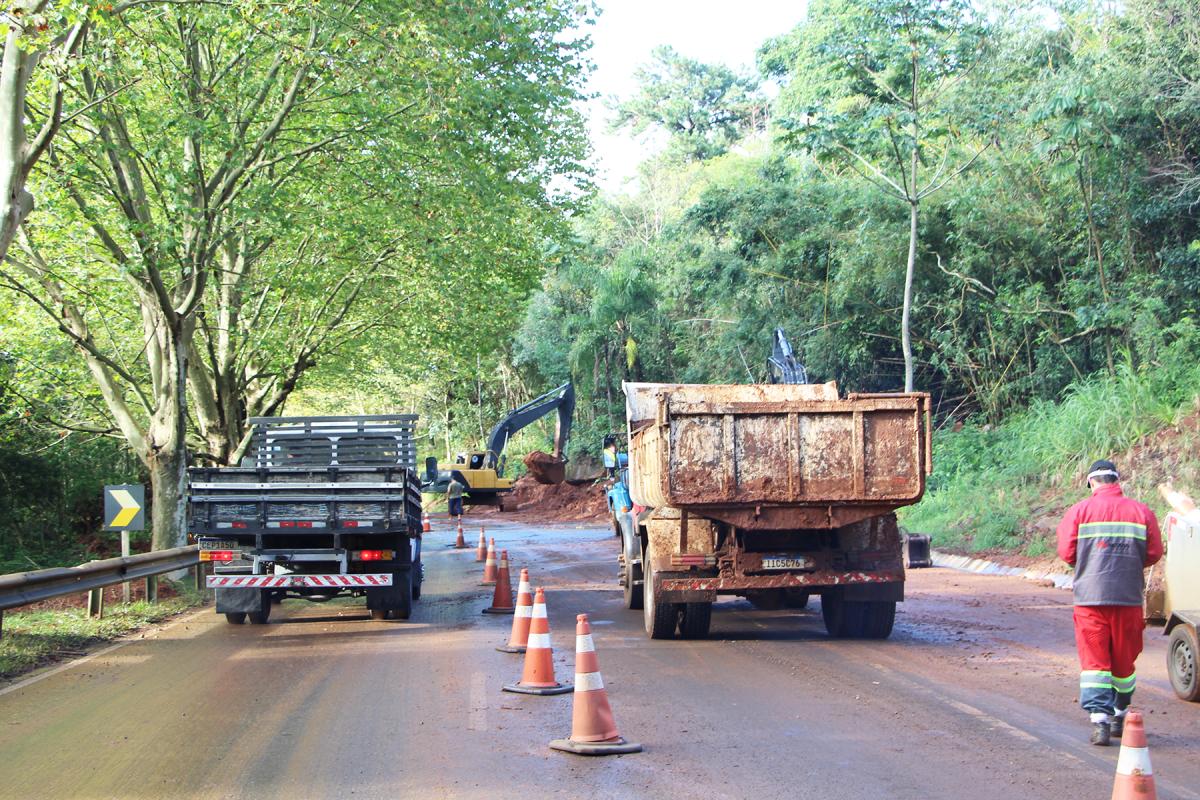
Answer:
[(22, 588)]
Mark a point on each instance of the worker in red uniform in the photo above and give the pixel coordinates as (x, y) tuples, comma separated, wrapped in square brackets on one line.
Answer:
[(1110, 539)]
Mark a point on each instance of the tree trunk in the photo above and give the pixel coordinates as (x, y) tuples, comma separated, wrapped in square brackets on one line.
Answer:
[(168, 478), (15, 202), (905, 337)]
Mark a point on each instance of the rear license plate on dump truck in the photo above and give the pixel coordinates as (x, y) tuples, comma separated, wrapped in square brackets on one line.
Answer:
[(216, 544), (786, 562)]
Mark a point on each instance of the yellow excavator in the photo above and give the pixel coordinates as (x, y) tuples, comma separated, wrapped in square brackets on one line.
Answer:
[(482, 471)]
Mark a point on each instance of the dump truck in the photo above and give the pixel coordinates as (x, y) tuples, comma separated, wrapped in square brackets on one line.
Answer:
[(773, 492), (322, 507)]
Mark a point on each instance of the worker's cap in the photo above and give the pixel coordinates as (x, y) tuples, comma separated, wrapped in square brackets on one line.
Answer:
[(1102, 468)]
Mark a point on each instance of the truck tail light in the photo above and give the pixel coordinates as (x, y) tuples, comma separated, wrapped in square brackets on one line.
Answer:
[(350, 523), (219, 555), (239, 524), (373, 555)]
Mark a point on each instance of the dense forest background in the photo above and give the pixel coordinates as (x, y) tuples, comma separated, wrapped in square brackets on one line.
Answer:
[(1012, 191)]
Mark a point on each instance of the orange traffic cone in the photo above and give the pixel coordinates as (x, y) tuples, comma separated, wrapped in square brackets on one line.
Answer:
[(489, 566), (538, 675), (593, 730), (481, 550), (521, 617), (1135, 778), (502, 601), (426, 527), (460, 543)]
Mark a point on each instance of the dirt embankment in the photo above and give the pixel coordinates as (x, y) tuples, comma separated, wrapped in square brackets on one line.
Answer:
[(566, 501)]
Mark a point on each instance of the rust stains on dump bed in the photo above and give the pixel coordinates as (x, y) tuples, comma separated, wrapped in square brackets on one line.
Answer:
[(766, 456)]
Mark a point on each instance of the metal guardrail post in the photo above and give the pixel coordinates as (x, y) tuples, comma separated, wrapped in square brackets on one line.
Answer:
[(151, 588), (96, 603), (125, 554), (199, 573)]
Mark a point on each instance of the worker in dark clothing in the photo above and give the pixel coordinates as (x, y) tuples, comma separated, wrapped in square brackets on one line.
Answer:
[(1110, 539)]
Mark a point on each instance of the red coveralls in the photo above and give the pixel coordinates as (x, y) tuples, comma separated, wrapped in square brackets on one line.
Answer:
[(1109, 539)]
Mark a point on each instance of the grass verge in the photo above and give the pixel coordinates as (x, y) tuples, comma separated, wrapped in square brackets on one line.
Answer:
[(35, 638), (1003, 487)]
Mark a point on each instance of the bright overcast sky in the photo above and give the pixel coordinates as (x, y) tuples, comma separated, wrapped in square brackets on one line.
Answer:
[(712, 31)]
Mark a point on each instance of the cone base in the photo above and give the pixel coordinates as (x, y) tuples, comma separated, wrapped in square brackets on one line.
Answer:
[(494, 610), (541, 690), (614, 748), (507, 649)]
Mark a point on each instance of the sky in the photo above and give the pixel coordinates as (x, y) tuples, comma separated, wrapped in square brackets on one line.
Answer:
[(711, 31)]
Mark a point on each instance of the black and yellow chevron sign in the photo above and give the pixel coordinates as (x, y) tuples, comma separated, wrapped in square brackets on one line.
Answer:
[(125, 508)]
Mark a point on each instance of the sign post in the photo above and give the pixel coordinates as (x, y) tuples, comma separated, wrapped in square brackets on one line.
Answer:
[(125, 511)]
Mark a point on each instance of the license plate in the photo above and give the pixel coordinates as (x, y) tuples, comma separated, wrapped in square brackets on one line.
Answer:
[(786, 562), (217, 544)]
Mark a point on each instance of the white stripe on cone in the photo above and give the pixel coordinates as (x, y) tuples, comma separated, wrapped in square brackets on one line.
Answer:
[(538, 641), (588, 682), (584, 644), (524, 611), (539, 611), (1134, 761), (523, 588)]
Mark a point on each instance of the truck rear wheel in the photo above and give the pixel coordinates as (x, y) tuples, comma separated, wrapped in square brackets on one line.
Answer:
[(857, 619), (697, 617), (661, 618), (235, 617), (402, 607)]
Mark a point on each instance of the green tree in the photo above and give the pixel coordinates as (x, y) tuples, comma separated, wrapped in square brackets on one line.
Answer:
[(870, 86), (703, 108)]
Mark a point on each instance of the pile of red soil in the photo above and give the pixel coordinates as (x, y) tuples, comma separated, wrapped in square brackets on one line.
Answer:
[(545, 468), (560, 501)]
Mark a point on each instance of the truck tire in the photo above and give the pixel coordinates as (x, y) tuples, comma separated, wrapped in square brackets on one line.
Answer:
[(661, 618), (1183, 662), (842, 620), (878, 618), (634, 598), (795, 598), (260, 617), (697, 617), (402, 607), (418, 580), (235, 617)]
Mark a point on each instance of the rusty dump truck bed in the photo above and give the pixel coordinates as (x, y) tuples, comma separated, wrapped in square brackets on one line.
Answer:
[(776, 457)]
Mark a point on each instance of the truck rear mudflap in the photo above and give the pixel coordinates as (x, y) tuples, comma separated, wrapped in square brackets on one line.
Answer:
[(356, 581)]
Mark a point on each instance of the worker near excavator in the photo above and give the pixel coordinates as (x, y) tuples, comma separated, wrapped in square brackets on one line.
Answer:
[(454, 498), (1109, 539)]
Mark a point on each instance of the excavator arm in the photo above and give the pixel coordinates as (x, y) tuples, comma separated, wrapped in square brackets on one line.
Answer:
[(561, 400)]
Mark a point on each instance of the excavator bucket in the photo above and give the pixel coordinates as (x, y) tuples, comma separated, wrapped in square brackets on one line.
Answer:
[(545, 468)]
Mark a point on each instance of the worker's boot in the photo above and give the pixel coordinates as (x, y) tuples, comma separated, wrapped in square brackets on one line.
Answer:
[(1100, 734), (1116, 725)]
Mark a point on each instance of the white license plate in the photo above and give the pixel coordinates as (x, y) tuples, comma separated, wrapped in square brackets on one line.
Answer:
[(217, 544), (786, 562)]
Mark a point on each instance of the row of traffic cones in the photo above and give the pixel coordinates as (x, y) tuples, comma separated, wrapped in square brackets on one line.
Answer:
[(593, 729)]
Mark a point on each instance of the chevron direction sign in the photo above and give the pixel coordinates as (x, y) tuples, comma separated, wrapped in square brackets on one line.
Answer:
[(125, 508)]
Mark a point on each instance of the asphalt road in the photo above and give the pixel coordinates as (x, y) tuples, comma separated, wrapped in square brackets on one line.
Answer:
[(972, 697)]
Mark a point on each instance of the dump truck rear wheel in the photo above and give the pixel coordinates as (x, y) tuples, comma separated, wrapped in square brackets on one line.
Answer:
[(877, 620), (697, 617), (1183, 662), (235, 617), (661, 618)]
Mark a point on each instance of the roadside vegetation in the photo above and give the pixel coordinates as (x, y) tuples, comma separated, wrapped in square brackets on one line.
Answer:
[(39, 637)]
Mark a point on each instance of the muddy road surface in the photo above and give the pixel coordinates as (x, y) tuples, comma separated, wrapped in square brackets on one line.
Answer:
[(972, 697)]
